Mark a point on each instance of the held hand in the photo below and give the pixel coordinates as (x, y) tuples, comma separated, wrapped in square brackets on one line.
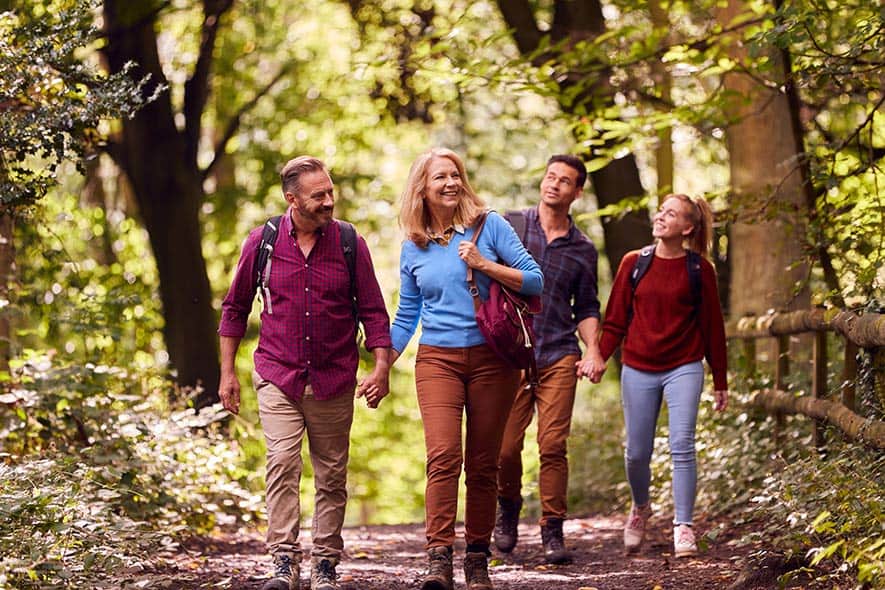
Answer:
[(591, 366), (720, 400), (229, 392), (469, 253), (374, 387)]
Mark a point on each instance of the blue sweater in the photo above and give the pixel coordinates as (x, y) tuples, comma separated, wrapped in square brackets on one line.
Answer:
[(433, 285)]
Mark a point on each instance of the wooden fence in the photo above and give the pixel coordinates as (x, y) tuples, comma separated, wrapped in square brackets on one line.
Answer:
[(837, 407)]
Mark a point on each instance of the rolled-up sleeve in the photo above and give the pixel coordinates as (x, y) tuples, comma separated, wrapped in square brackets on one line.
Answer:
[(370, 301), (238, 302)]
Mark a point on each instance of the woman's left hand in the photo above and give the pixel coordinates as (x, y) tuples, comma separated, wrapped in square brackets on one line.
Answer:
[(469, 253), (720, 400)]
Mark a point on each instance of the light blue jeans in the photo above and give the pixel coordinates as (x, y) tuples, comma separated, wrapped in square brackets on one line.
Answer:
[(641, 395)]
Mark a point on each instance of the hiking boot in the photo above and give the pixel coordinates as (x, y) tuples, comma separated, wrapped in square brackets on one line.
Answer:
[(286, 574), (476, 572), (322, 574), (554, 546), (507, 524), (439, 572), (684, 544), (634, 531)]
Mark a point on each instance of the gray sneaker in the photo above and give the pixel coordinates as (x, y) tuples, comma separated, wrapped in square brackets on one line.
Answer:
[(322, 574), (286, 574)]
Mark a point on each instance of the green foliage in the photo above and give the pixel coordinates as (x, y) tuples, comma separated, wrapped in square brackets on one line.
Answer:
[(831, 510), (74, 296), (100, 471), (52, 102)]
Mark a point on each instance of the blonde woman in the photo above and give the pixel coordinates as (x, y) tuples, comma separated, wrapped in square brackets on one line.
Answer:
[(456, 373), (664, 332)]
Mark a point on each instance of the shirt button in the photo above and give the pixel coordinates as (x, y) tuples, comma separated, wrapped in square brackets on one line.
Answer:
[(307, 337), (307, 289), (308, 362), (305, 265), (306, 313)]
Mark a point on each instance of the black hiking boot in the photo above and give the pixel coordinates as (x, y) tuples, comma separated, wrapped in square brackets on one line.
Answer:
[(322, 574), (507, 524), (554, 546), (476, 572), (286, 574), (439, 572)]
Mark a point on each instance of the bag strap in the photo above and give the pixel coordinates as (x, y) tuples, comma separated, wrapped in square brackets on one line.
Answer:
[(347, 237), (644, 260), (265, 251), (471, 284)]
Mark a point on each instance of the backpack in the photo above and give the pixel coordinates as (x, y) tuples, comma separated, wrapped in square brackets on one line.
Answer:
[(643, 261), (518, 223), (265, 252)]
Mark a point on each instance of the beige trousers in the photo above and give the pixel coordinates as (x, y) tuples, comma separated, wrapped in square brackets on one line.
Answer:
[(327, 424)]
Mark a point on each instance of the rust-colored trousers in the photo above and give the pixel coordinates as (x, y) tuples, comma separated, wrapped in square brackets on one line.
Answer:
[(452, 383), (555, 400)]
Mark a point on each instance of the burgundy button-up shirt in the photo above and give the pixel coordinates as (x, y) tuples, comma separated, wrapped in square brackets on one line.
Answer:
[(310, 335)]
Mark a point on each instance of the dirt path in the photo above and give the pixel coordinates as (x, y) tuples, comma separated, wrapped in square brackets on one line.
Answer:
[(392, 558)]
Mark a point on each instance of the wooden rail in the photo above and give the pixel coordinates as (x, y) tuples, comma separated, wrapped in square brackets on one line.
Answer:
[(859, 331)]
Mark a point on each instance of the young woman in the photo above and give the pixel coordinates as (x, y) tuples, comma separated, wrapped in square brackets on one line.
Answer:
[(664, 333), (456, 373)]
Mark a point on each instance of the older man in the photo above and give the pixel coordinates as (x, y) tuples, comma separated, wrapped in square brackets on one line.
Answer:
[(316, 284)]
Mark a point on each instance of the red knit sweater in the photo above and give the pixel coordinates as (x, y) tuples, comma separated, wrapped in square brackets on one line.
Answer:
[(663, 334)]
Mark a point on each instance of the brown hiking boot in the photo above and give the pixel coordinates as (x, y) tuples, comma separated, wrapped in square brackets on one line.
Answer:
[(439, 572), (322, 574), (476, 572), (554, 546), (507, 524), (287, 572)]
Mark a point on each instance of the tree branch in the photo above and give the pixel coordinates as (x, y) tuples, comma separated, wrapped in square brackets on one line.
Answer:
[(234, 124), (521, 20), (196, 89)]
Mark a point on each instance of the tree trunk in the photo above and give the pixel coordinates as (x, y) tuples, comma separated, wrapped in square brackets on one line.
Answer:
[(767, 268), (160, 164), (660, 18)]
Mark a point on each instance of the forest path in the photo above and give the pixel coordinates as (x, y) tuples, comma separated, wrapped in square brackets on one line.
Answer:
[(391, 557)]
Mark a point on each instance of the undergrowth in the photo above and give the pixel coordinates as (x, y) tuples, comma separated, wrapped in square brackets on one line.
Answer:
[(101, 469)]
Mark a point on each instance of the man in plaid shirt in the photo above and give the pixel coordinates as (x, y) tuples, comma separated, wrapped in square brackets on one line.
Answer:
[(306, 364), (568, 260)]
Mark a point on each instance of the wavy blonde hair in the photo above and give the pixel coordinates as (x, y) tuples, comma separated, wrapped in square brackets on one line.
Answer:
[(414, 217), (701, 217)]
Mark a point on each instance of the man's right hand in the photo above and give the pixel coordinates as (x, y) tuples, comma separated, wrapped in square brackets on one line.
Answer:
[(229, 392)]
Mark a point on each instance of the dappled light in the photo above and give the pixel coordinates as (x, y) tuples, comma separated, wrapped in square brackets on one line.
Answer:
[(141, 142)]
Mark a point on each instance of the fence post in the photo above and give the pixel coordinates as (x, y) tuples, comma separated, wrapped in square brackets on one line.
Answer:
[(819, 381), (849, 375), (782, 369)]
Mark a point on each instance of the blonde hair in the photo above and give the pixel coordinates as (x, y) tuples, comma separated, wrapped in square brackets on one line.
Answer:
[(701, 217), (414, 217)]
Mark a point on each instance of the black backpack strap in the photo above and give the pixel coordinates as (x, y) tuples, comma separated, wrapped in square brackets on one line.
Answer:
[(640, 267), (518, 221), (265, 252), (347, 235), (693, 259)]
